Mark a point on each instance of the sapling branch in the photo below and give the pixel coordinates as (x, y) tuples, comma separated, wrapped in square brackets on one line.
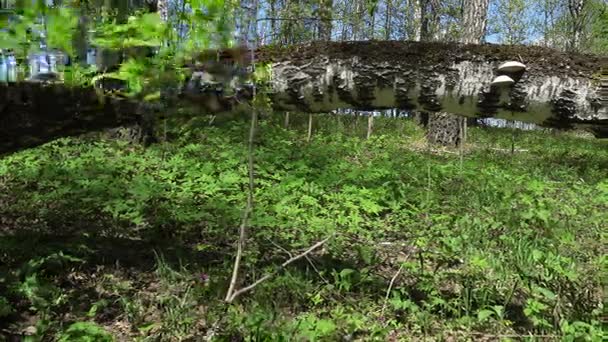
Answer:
[(390, 287), (309, 135), (246, 212), (237, 293), (249, 206)]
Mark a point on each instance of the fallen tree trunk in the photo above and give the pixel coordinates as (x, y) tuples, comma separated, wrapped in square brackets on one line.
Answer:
[(556, 89), (34, 113)]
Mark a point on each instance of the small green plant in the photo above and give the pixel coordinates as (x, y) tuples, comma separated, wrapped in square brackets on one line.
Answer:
[(496, 312), (85, 332), (97, 307), (313, 328), (5, 307), (582, 331), (345, 279), (42, 294)]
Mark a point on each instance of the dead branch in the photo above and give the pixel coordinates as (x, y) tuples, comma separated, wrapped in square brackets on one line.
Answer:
[(237, 293), (246, 212), (390, 287)]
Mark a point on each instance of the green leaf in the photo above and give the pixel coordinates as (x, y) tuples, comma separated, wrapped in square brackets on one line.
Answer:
[(483, 315), (5, 307), (366, 253), (546, 292), (147, 327), (346, 272), (325, 327), (85, 332), (537, 255), (201, 247)]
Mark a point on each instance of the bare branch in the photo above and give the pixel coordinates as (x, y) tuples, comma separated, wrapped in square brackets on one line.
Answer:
[(246, 212), (283, 265), (390, 287)]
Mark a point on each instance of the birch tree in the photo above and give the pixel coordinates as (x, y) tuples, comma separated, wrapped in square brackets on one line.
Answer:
[(445, 128)]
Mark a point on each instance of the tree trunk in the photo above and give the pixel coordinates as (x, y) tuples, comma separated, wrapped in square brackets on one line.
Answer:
[(162, 6), (416, 32), (474, 21), (444, 129), (577, 9), (80, 39), (357, 19), (273, 23), (421, 118), (428, 23), (388, 20), (325, 25), (429, 19), (142, 131), (557, 90)]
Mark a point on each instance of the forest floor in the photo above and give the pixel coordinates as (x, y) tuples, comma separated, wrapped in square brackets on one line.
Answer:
[(505, 239)]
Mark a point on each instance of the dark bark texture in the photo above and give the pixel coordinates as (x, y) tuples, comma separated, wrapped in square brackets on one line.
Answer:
[(35, 113), (444, 129), (557, 90)]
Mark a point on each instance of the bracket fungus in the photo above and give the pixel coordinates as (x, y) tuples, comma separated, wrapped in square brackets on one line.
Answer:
[(502, 80), (511, 67)]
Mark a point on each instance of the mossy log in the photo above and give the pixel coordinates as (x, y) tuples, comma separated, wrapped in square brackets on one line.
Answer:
[(556, 89)]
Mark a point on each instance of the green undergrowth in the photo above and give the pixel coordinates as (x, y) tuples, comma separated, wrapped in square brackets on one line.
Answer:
[(103, 240)]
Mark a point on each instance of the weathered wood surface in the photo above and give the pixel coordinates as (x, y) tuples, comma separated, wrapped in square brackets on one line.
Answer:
[(556, 90)]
